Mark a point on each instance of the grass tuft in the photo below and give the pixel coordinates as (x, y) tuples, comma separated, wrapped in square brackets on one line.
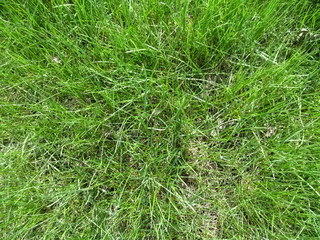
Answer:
[(159, 119)]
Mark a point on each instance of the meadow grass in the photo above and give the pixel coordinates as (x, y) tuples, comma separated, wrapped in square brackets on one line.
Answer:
[(159, 119)]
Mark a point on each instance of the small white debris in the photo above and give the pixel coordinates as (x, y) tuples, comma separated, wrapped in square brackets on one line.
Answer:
[(214, 133), (271, 131), (316, 36), (56, 60), (221, 125)]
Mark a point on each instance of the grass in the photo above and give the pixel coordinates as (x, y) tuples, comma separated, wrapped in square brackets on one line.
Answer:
[(159, 119)]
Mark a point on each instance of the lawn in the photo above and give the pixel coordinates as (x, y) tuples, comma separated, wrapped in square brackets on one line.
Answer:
[(181, 119)]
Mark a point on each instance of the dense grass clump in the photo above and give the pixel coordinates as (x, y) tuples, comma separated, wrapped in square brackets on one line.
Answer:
[(159, 119)]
